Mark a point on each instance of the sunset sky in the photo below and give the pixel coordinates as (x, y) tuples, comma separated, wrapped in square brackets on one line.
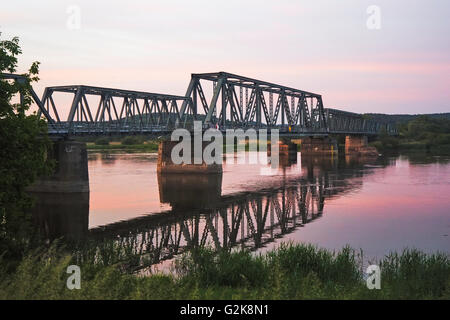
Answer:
[(319, 46)]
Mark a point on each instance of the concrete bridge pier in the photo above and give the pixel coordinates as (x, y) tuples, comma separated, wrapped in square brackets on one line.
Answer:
[(287, 152), (357, 145), (318, 146), (285, 147), (166, 165), (71, 173)]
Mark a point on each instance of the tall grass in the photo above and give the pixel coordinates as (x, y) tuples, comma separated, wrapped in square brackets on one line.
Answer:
[(414, 275), (287, 272)]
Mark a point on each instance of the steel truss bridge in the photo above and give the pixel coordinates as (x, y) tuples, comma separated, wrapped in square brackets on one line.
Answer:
[(219, 100), (243, 220)]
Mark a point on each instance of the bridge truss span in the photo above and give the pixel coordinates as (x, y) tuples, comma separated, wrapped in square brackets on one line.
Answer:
[(344, 122), (117, 111), (238, 102), (219, 100)]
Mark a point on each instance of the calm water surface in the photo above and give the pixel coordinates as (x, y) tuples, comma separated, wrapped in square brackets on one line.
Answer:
[(377, 205)]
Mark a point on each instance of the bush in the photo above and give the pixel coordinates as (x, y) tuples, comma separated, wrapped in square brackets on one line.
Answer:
[(443, 138), (132, 140), (389, 142), (103, 141), (378, 145)]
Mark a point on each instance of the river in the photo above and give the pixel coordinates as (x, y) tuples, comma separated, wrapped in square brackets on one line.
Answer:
[(376, 205)]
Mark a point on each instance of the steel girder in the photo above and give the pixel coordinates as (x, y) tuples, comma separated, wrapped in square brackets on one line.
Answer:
[(295, 110), (117, 111), (344, 122), (23, 79)]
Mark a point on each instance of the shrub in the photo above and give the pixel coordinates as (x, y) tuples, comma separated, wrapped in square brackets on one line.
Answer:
[(103, 141), (129, 140)]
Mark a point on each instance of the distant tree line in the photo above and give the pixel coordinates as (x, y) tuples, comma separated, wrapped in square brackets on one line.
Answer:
[(432, 131), (404, 118), (422, 132)]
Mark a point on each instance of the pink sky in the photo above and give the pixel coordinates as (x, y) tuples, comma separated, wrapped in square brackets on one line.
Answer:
[(320, 46)]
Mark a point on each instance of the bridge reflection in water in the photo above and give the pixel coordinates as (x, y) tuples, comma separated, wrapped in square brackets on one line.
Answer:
[(201, 216)]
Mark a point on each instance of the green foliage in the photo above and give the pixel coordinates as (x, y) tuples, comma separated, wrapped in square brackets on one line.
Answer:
[(152, 145), (403, 119), (23, 151), (433, 134), (414, 275), (298, 261), (287, 272), (223, 268), (423, 133), (130, 140), (426, 128), (387, 142), (102, 141)]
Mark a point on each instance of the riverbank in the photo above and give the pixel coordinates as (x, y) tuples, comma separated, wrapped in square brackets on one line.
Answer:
[(401, 147), (420, 135), (411, 146), (288, 272), (143, 147)]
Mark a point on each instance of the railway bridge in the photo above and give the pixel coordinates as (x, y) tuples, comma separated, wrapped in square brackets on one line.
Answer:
[(217, 101)]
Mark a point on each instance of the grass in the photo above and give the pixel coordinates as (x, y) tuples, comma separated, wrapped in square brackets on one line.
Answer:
[(288, 272), (144, 147)]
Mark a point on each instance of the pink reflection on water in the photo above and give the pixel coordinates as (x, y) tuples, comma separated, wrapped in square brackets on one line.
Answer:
[(397, 207), (387, 208), (125, 186)]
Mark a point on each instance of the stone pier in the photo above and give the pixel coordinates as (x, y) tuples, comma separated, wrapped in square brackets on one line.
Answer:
[(287, 152), (166, 165), (285, 147), (71, 173), (357, 145), (318, 146)]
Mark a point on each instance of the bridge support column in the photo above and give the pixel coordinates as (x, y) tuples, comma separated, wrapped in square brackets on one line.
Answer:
[(285, 147), (71, 172), (287, 152), (357, 145), (166, 165), (319, 146)]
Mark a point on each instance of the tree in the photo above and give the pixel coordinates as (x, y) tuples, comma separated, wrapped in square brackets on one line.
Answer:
[(23, 150)]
